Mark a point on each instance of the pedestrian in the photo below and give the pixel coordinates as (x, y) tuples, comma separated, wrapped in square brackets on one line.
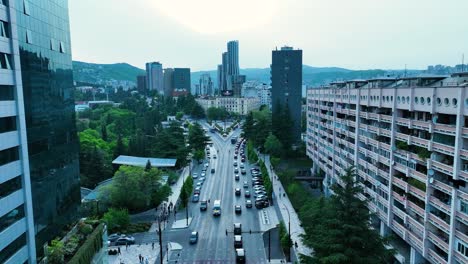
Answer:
[(139, 258), (208, 200), (152, 245), (146, 261), (118, 250), (284, 194)]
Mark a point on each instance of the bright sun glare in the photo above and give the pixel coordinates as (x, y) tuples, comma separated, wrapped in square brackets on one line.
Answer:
[(218, 16)]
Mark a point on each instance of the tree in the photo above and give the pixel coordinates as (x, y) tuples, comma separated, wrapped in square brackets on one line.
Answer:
[(148, 166), (104, 132), (342, 232), (273, 146), (116, 219), (119, 148), (248, 126), (197, 138), (199, 155), (179, 115), (197, 111)]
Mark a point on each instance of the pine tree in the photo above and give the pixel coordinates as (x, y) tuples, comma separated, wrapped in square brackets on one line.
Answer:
[(104, 132), (148, 166)]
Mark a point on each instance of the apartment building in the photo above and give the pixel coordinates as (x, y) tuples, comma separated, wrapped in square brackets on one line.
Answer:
[(239, 105), (408, 139)]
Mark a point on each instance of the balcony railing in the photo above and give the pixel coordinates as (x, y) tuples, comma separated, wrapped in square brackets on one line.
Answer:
[(399, 212), (449, 150), (442, 187), (402, 137), (441, 224), (417, 193), (385, 132), (416, 209), (400, 183), (435, 258), (402, 121), (465, 132), (462, 217), (399, 229), (439, 204), (442, 167), (398, 197), (420, 142), (424, 125), (436, 240), (386, 118), (445, 129), (415, 241), (463, 175), (418, 175), (464, 153)]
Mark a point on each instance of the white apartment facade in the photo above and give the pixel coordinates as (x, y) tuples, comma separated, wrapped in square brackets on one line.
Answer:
[(408, 139), (17, 237), (239, 105)]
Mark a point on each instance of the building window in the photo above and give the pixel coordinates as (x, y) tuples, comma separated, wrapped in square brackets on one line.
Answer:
[(7, 93), (12, 248), (454, 102), (5, 61), (439, 101), (463, 207), (10, 218), (446, 101), (53, 45), (10, 187), (62, 47), (26, 9), (429, 101), (7, 124), (29, 38), (422, 100), (415, 100), (4, 30), (9, 155), (462, 248)]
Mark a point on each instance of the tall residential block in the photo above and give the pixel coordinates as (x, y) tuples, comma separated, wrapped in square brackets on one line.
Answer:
[(168, 81), (286, 83), (205, 85), (182, 79), (39, 169), (408, 140), (154, 77), (219, 77), (225, 61), (141, 82)]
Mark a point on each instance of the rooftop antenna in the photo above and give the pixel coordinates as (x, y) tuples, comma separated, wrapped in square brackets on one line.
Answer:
[(405, 70)]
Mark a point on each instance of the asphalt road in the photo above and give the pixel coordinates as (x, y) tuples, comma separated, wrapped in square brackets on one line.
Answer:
[(214, 246)]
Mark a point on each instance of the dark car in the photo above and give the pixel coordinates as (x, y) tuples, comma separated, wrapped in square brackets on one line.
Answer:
[(193, 237), (238, 209), (124, 240), (237, 241), (247, 194), (236, 177), (212, 170), (195, 198), (237, 191), (114, 237), (236, 170), (237, 228), (243, 172), (243, 159)]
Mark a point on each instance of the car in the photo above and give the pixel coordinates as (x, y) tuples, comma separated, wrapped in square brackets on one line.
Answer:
[(259, 204), (193, 237), (236, 170), (248, 203), (237, 241), (214, 157), (247, 194), (254, 183), (194, 175), (243, 172), (125, 240), (212, 170), (197, 190), (236, 177), (240, 255), (235, 164), (235, 157), (261, 197), (237, 191), (207, 165), (203, 205), (202, 179), (199, 184), (203, 174), (258, 193), (237, 228), (259, 188), (238, 209), (246, 185), (114, 237), (242, 166), (243, 159), (195, 198), (224, 135)]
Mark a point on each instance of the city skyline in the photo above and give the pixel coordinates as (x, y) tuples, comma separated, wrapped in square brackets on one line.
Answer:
[(392, 33)]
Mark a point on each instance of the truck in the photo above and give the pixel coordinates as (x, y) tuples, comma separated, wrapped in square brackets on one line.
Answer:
[(217, 208)]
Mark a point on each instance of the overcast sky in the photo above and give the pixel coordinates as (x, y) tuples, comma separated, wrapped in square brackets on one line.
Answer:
[(355, 34)]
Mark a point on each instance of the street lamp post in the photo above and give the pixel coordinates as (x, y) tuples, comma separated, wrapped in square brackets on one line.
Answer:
[(289, 233), (160, 238)]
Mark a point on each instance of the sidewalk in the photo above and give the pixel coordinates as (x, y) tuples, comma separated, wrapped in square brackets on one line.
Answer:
[(130, 255), (285, 206)]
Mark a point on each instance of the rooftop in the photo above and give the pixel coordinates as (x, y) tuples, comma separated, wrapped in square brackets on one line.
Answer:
[(141, 161)]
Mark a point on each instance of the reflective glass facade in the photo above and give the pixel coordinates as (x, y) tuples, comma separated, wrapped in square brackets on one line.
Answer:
[(46, 68)]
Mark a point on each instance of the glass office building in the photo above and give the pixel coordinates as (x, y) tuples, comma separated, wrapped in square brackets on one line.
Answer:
[(40, 161)]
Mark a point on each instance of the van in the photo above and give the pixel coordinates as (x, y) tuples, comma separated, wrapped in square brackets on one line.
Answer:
[(237, 241), (217, 208)]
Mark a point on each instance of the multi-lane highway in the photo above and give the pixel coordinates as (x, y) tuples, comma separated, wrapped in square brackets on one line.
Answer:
[(214, 246)]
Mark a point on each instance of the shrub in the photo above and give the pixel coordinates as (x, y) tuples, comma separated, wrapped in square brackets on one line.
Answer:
[(402, 145), (55, 252), (92, 245), (116, 219)]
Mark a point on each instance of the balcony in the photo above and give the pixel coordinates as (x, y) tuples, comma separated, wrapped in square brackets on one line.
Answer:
[(417, 193), (442, 187), (464, 153), (449, 150), (402, 121), (384, 132), (373, 116), (402, 137), (416, 209), (439, 223), (465, 131), (399, 229), (415, 241), (418, 175), (439, 204), (398, 197), (442, 167), (423, 125), (463, 175), (399, 212), (462, 218), (386, 118), (420, 142), (435, 258), (400, 183), (445, 129), (438, 241)]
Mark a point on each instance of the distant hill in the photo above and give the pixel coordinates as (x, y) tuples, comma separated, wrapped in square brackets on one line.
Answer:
[(312, 76), (101, 73)]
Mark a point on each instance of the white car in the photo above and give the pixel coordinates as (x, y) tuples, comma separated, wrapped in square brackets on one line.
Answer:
[(194, 175)]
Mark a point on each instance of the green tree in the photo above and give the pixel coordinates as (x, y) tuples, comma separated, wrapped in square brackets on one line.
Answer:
[(179, 115), (273, 146), (197, 111), (116, 219), (196, 137), (56, 252), (342, 232), (120, 147), (199, 155), (104, 132), (148, 166), (248, 126)]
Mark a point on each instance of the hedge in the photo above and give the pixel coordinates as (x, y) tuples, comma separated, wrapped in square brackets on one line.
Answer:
[(90, 247)]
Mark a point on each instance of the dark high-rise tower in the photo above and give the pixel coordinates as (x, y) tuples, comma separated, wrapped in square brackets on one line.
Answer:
[(225, 61), (233, 57), (39, 166), (286, 82), (182, 79)]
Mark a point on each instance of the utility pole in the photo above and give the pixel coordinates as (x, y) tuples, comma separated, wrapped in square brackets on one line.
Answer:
[(269, 245), (289, 234), (160, 240)]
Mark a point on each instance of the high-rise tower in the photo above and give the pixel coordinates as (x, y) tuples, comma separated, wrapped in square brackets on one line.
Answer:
[(233, 57), (154, 77)]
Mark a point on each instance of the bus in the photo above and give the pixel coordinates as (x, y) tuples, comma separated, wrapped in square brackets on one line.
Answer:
[(217, 208), (233, 140)]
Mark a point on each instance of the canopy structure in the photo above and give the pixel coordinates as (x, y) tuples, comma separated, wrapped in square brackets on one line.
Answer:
[(141, 161)]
